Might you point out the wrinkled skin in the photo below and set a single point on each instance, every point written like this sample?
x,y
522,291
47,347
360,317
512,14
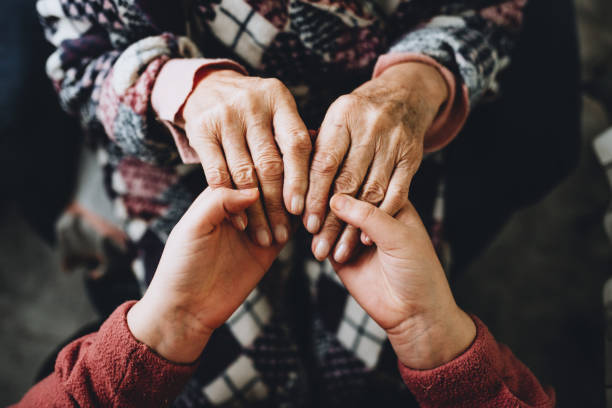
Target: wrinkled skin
x,y
248,133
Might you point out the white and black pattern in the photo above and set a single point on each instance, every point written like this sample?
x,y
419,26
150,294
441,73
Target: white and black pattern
x,y
248,320
317,29
107,58
276,356
240,382
445,43
341,373
360,334
241,29
355,330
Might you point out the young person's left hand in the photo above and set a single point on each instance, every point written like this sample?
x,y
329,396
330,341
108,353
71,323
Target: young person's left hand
x,y
207,269
402,286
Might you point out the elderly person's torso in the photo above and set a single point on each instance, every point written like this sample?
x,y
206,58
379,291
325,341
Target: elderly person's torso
x,y
299,334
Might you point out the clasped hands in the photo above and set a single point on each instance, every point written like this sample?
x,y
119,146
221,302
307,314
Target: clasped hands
x,y
249,136
248,133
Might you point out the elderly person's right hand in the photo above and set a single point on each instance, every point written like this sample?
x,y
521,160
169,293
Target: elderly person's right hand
x,y
207,269
247,132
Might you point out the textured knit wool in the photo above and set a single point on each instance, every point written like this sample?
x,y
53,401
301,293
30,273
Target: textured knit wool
x,y
112,369
299,335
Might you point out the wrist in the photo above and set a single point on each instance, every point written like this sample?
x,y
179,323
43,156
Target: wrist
x,y
421,78
170,330
423,342
202,78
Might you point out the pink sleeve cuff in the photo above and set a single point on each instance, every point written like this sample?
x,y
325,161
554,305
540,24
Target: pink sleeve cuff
x,y
174,84
453,114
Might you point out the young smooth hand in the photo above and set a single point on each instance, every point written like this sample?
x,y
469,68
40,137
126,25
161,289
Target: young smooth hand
x,y
400,283
207,269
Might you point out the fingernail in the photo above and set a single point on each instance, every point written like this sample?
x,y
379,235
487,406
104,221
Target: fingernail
x,y
313,223
322,249
341,253
281,234
339,202
239,222
263,237
297,204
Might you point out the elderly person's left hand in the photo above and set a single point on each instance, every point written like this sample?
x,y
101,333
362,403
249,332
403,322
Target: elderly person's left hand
x,y
370,145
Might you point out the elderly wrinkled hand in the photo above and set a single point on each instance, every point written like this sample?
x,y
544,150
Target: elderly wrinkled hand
x,y
248,133
370,145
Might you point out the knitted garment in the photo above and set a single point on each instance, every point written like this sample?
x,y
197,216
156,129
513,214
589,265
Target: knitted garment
x,y
299,335
111,368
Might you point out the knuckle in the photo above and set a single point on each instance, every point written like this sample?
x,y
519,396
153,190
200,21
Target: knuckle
x,y
274,206
223,113
325,163
374,192
257,123
274,83
346,183
316,203
251,102
346,102
244,176
332,226
202,125
217,177
300,143
398,198
270,168
411,158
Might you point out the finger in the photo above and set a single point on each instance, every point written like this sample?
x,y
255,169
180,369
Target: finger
x,y
380,226
396,195
213,161
213,206
214,166
269,167
294,142
348,242
373,192
244,176
349,181
330,147
365,239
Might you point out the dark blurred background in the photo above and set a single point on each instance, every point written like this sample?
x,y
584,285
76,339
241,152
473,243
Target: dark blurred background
x,y
538,284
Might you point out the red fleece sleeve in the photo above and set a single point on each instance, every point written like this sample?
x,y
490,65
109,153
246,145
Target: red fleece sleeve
x,y
485,375
109,368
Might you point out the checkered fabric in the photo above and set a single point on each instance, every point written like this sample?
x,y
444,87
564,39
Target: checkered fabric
x,y
299,339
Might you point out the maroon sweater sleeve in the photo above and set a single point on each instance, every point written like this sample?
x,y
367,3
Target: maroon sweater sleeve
x,y
485,375
109,368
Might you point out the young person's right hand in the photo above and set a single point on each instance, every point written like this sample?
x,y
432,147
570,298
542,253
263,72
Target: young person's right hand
x,y
400,283
207,269
247,132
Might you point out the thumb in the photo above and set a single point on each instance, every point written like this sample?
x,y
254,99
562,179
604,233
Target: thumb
x,y
213,206
377,224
